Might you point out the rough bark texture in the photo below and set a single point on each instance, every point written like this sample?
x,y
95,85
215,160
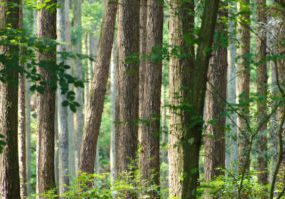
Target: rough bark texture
x,y
22,125
242,83
22,137
46,24
215,105
143,43
78,117
128,76
261,83
149,126
187,81
28,135
63,27
98,90
113,112
9,163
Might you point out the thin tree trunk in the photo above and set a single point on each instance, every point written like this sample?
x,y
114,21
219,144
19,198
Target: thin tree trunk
x,y
215,105
187,79
78,117
28,136
149,128
9,163
231,143
46,105
242,84
113,112
97,90
128,89
22,124
63,133
261,83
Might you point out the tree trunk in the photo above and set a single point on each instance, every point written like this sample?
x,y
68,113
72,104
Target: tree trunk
x,y
113,112
149,128
187,79
9,163
231,142
28,136
63,133
46,104
261,83
242,84
22,124
78,117
128,89
215,105
98,90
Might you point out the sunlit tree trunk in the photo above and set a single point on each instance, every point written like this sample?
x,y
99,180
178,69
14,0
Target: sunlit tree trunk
x,y
149,127
187,85
22,125
242,83
9,163
46,105
63,27
231,141
28,135
261,84
98,90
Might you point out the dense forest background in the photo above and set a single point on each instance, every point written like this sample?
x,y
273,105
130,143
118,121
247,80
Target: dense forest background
x,y
142,99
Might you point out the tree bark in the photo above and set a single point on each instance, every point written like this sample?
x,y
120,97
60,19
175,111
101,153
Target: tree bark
x,y
28,135
215,104
187,79
9,163
98,90
149,127
242,84
128,89
78,117
261,83
46,24
63,131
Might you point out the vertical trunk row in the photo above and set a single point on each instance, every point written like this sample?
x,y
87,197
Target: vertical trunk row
x,y
261,83
149,128
215,104
46,104
242,84
98,90
9,163
128,90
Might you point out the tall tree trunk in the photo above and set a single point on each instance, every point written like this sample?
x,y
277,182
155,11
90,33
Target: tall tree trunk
x,y
113,112
28,136
187,79
78,117
22,124
242,84
98,90
149,128
63,26
231,142
22,137
46,24
128,89
261,83
215,104
9,163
